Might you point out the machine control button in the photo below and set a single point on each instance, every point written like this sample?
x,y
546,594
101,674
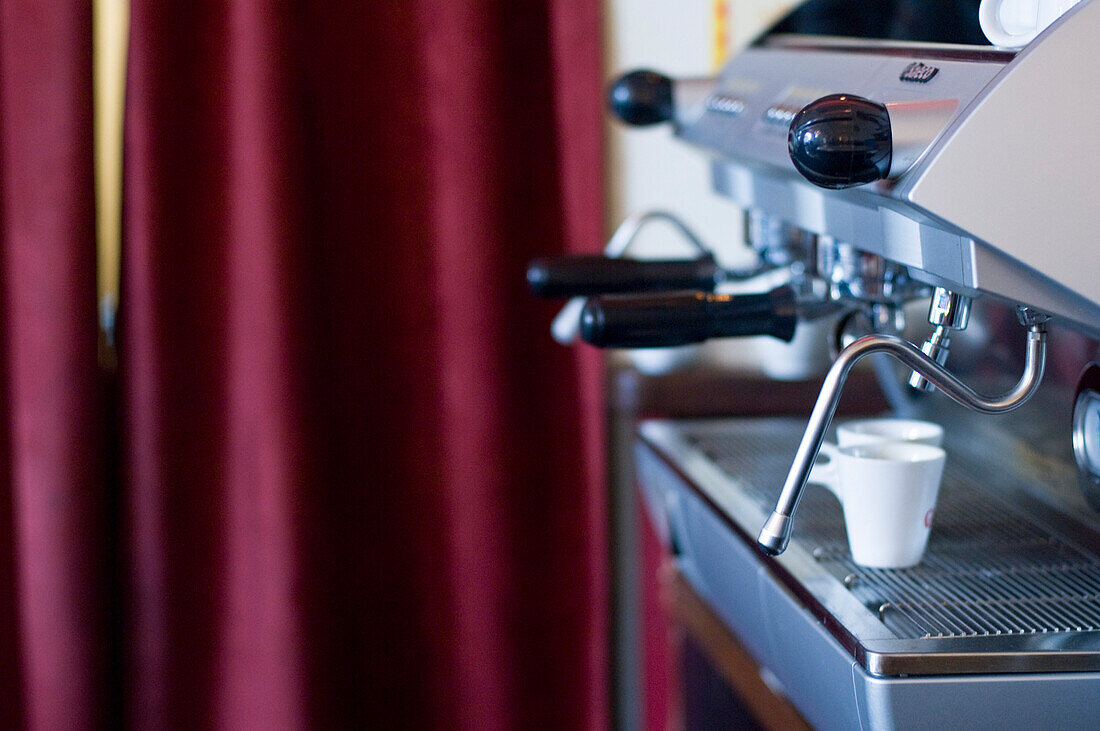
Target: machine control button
x,y
780,114
725,104
840,141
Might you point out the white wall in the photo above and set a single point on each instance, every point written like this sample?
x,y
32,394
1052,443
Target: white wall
x,y
647,168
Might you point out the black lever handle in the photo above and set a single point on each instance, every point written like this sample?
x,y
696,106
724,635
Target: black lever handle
x,y
841,140
641,98
587,276
686,317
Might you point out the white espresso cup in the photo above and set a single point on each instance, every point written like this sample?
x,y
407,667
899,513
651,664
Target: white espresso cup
x,y
866,431
1014,23
888,490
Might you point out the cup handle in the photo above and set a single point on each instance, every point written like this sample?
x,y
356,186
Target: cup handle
x,y
826,473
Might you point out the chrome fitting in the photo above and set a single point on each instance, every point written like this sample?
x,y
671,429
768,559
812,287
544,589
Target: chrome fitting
x,y
948,311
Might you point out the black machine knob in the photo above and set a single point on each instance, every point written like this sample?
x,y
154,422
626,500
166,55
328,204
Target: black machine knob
x,y
841,140
641,98
660,321
586,276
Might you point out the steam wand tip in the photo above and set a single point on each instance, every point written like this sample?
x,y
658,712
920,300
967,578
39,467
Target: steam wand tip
x,y
775,535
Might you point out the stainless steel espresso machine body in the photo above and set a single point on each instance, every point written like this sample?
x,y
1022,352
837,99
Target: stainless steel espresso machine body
x,y
969,168
877,171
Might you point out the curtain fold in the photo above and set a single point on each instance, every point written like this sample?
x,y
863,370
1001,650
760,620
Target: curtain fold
x,y
358,485
358,482
54,651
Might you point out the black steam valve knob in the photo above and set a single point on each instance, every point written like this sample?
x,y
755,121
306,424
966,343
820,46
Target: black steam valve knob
x,y
641,98
841,140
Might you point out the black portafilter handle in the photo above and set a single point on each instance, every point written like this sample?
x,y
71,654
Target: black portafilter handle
x,y
587,276
641,98
660,321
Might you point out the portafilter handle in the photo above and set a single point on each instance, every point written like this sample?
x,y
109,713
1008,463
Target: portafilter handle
x,y
587,276
661,321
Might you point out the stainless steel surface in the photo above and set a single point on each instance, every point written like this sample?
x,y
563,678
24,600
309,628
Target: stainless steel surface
x,y
1008,583
779,244
863,277
776,532
987,205
691,97
983,178
913,128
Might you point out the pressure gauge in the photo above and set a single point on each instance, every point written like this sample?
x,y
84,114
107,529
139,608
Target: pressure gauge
x,y
1086,434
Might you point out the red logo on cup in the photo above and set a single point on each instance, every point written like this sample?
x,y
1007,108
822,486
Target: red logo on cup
x,y
928,518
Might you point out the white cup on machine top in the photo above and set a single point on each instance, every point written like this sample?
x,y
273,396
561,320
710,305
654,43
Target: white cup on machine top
x,y
865,431
1014,23
888,491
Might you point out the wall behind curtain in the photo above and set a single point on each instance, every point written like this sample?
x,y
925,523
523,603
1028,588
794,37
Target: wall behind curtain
x,y
359,482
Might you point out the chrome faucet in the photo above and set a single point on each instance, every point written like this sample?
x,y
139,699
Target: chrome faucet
x,y
776,532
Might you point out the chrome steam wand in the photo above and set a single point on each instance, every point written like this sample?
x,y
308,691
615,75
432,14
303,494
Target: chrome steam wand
x,y
776,532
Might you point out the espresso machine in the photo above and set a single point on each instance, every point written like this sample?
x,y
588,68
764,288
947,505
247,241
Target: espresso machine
x,y
880,164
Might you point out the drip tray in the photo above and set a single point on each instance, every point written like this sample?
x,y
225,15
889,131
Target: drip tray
x,y
1010,581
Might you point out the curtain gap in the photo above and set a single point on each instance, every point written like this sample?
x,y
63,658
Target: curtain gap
x,y
110,45
111,22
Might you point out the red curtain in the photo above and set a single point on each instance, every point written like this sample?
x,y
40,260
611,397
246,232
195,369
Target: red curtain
x,y
357,481
358,484
54,654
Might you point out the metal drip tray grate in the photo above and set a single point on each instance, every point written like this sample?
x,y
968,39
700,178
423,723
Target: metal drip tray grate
x,y
991,568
